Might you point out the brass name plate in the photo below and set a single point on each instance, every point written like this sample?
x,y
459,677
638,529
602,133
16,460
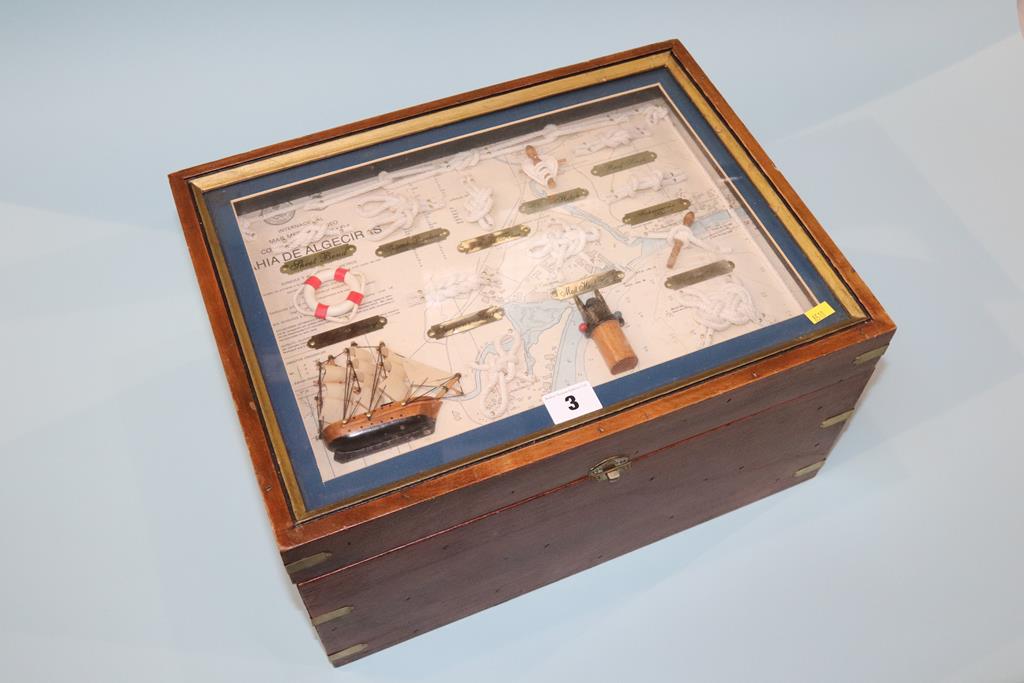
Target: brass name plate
x,y
656,211
552,200
587,284
489,239
318,259
466,322
692,277
616,165
412,242
345,332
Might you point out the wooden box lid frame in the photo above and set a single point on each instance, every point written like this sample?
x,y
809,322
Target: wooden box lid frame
x,y
294,528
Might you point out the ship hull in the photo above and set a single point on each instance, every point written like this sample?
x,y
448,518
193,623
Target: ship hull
x,y
390,425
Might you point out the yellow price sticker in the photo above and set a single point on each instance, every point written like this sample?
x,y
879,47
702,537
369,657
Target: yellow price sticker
x,y
820,312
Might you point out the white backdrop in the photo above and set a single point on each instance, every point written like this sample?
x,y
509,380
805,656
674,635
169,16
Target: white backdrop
x,y
134,540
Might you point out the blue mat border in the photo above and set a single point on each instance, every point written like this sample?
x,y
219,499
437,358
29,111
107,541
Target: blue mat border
x,y
318,494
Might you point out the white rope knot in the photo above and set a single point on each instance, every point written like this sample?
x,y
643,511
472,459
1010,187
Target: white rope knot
x,y
684,234
504,361
464,160
306,235
398,210
549,133
479,203
617,137
718,305
561,242
645,181
653,114
441,288
542,171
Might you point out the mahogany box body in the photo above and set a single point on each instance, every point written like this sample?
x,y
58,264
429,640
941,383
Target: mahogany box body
x,y
394,565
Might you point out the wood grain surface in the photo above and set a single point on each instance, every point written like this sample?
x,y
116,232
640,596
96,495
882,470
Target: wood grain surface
x,y
404,515
472,491
518,548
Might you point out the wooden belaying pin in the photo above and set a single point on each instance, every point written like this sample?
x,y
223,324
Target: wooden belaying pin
x,y
677,244
605,328
531,153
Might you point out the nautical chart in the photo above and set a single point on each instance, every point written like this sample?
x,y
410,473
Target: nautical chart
x,y
617,180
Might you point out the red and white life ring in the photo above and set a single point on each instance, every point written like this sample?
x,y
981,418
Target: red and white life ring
x,y
340,311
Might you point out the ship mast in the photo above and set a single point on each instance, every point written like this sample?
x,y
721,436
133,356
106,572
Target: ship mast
x,y
365,378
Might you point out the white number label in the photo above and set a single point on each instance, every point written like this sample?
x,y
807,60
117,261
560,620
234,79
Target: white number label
x,y
571,402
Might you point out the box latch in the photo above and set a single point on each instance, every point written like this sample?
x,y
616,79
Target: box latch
x,y
610,469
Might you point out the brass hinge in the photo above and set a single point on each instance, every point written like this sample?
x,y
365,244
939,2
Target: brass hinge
x,y
870,355
610,469
836,419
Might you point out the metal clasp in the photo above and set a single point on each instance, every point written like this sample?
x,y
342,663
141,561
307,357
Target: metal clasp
x,y
610,469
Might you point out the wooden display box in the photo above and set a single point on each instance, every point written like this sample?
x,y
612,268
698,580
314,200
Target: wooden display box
x,y
393,301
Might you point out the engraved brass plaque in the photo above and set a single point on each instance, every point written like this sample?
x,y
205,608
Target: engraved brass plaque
x,y
692,277
657,211
489,239
623,163
587,284
466,322
318,259
412,242
345,332
552,200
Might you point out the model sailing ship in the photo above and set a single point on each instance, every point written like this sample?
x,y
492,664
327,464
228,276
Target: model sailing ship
x,y
371,398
